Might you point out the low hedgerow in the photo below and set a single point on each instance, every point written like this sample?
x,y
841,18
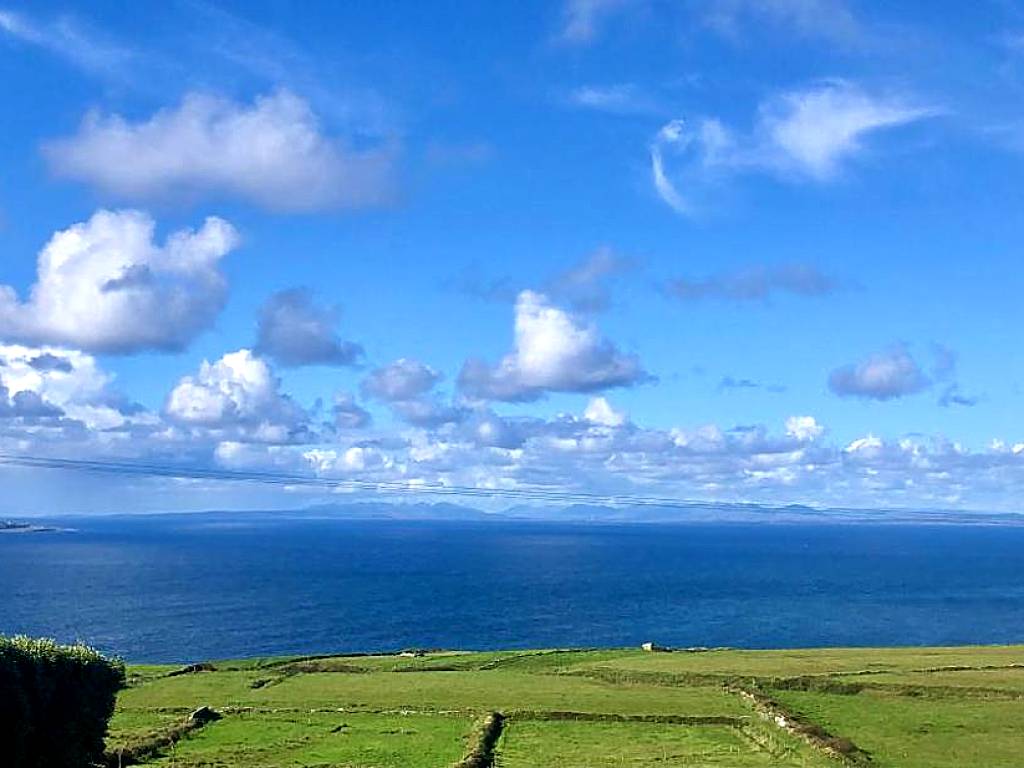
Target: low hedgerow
x,y
55,701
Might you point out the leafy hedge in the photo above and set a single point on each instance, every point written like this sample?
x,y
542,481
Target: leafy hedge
x,y
55,701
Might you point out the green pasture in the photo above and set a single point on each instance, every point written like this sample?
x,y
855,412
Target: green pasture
x,y
917,707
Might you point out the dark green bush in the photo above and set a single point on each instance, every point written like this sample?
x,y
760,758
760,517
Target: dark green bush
x,y
55,701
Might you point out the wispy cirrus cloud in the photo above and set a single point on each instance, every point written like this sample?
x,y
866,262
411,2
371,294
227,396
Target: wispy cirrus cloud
x,y
733,384
71,39
616,99
832,21
583,20
802,135
944,372
586,286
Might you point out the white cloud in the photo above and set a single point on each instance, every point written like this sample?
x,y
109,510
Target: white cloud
x,y
600,411
105,285
672,134
617,99
868,446
554,352
807,134
882,376
63,396
814,131
67,38
357,459
233,414
240,395
295,332
272,152
804,428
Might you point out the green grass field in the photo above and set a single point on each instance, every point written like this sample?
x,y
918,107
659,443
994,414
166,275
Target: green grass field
x,y
919,708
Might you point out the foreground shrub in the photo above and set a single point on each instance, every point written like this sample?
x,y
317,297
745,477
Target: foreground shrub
x,y
55,701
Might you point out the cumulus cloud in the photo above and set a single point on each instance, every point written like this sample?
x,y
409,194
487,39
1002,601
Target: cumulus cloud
x,y
804,428
69,385
883,376
106,285
600,411
404,379
807,134
406,387
348,414
755,283
488,430
554,352
238,395
272,152
366,460
233,414
25,405
427,412
294,332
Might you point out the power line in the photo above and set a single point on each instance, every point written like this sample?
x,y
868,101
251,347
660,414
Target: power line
x,y
180,472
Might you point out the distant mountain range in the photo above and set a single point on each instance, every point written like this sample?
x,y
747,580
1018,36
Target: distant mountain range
x,y
676,513
681,513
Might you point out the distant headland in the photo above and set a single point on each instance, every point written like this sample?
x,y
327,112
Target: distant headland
x,y
13,526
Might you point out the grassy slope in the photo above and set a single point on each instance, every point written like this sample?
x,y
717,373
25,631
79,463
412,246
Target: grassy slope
x,y
907,707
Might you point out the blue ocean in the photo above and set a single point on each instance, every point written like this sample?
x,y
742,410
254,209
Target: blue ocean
x,y
206,586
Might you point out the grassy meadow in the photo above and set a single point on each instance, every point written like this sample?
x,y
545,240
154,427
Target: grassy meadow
x,y
584,709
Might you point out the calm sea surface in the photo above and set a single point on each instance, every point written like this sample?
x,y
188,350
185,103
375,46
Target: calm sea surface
x,y
178,587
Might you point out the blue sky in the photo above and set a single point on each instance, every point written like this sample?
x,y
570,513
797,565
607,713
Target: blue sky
x,y
747,250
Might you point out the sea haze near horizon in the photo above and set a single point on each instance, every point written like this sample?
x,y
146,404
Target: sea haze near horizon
x,y
169,588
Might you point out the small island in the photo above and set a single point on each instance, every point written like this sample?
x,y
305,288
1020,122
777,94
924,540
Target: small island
x,y
14,526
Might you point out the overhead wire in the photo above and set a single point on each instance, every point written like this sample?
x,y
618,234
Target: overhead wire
x,y
526,493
